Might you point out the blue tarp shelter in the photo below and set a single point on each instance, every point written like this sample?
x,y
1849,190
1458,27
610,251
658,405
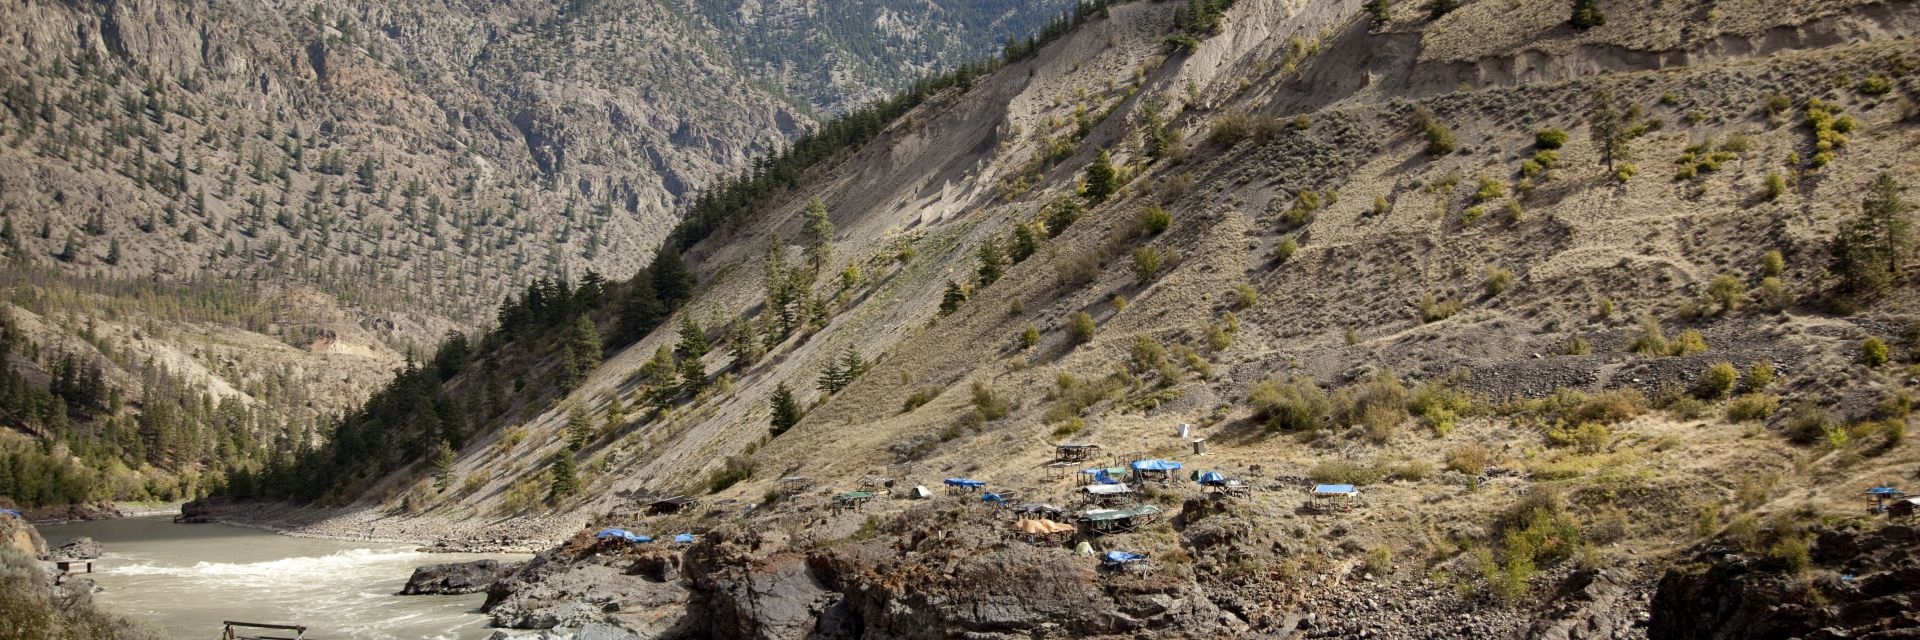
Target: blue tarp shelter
x,y
1212,478
1335,489
622,534
963,484
1880,496
1123,557
12,512
1155,465
683,538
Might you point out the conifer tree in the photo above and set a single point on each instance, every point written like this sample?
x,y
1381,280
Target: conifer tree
x,y
443,466
566,478
819,230
1102,181
956,295
786,411
991,263
693,340
582,352
579,428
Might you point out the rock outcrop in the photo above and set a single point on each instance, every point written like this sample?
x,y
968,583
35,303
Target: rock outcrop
x,y
81,548
1860,585
456,577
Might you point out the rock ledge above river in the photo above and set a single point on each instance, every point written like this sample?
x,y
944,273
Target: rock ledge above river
x,y
456,577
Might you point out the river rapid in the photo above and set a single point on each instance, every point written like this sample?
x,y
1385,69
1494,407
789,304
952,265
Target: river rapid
x,y
184,579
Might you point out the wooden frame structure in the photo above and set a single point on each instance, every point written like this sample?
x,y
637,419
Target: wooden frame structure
x,y
851,500
1103,521
299,631
1075,451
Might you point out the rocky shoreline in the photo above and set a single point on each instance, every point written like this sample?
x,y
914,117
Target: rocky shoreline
x,y
97,511
432,534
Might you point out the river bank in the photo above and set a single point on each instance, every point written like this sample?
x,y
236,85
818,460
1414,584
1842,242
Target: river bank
x,y
431,533
97,511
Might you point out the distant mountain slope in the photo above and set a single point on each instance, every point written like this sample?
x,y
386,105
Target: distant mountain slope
x,y
262,196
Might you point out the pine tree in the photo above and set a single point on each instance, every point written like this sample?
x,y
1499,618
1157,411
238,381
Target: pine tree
x,y
1023,243
819,230
565,477
443,466
640,310
956,295
1102,181
1867,252
672,282
1612,127
113,252
786,411
579,428
743,343
991,263
693,340
582,352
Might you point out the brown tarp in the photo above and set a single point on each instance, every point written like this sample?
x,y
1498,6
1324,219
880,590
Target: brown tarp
x,y
1041,527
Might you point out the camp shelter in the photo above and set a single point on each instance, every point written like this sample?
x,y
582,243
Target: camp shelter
x,y
1103,475
963,485
1334,497
683,538
1075,451
1120,520
622,535
851,499
1107,494
674,504
1040,530
1041,510
1154,470
920,493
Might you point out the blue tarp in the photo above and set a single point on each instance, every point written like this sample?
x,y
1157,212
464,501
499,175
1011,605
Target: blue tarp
x,y
11,512
622,534
1334,488
963,482
1155,465
991,497
1212,477
1885,491
1105,479
683,538
1118,557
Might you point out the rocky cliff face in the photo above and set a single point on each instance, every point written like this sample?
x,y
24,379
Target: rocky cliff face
x,y
1855,584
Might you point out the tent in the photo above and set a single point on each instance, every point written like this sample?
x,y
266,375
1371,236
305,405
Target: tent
x,y
920,492
1212,478
621,534
1084,548
1041,527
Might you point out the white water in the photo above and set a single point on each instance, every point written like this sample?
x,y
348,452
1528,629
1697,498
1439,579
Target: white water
x,y
185,579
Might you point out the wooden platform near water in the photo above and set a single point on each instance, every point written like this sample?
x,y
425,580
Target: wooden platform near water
x,y
299,632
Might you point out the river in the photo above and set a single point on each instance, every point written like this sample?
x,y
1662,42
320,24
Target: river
x,y
184,579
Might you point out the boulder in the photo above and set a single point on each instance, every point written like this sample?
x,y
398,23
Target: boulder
x,y
81,548
455,578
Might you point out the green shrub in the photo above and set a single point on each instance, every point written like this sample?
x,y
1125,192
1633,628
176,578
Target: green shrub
x,y
1578,346
1070,427
1793,552
1218,339
1549,138
1760,376
1876,85
1471,458
1472,214
1146,264
1380,205
1435,310
1285,249
1489,190
1296,404
1809,423
1776,186
1873,352
1244,295
1155,220
1440,139
1029,337
1718,381
1690,342
920,397
1377,405
1772,263
1346,472
1624,172
1497,281
1752,407
1439,404
1651,341
1081,327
